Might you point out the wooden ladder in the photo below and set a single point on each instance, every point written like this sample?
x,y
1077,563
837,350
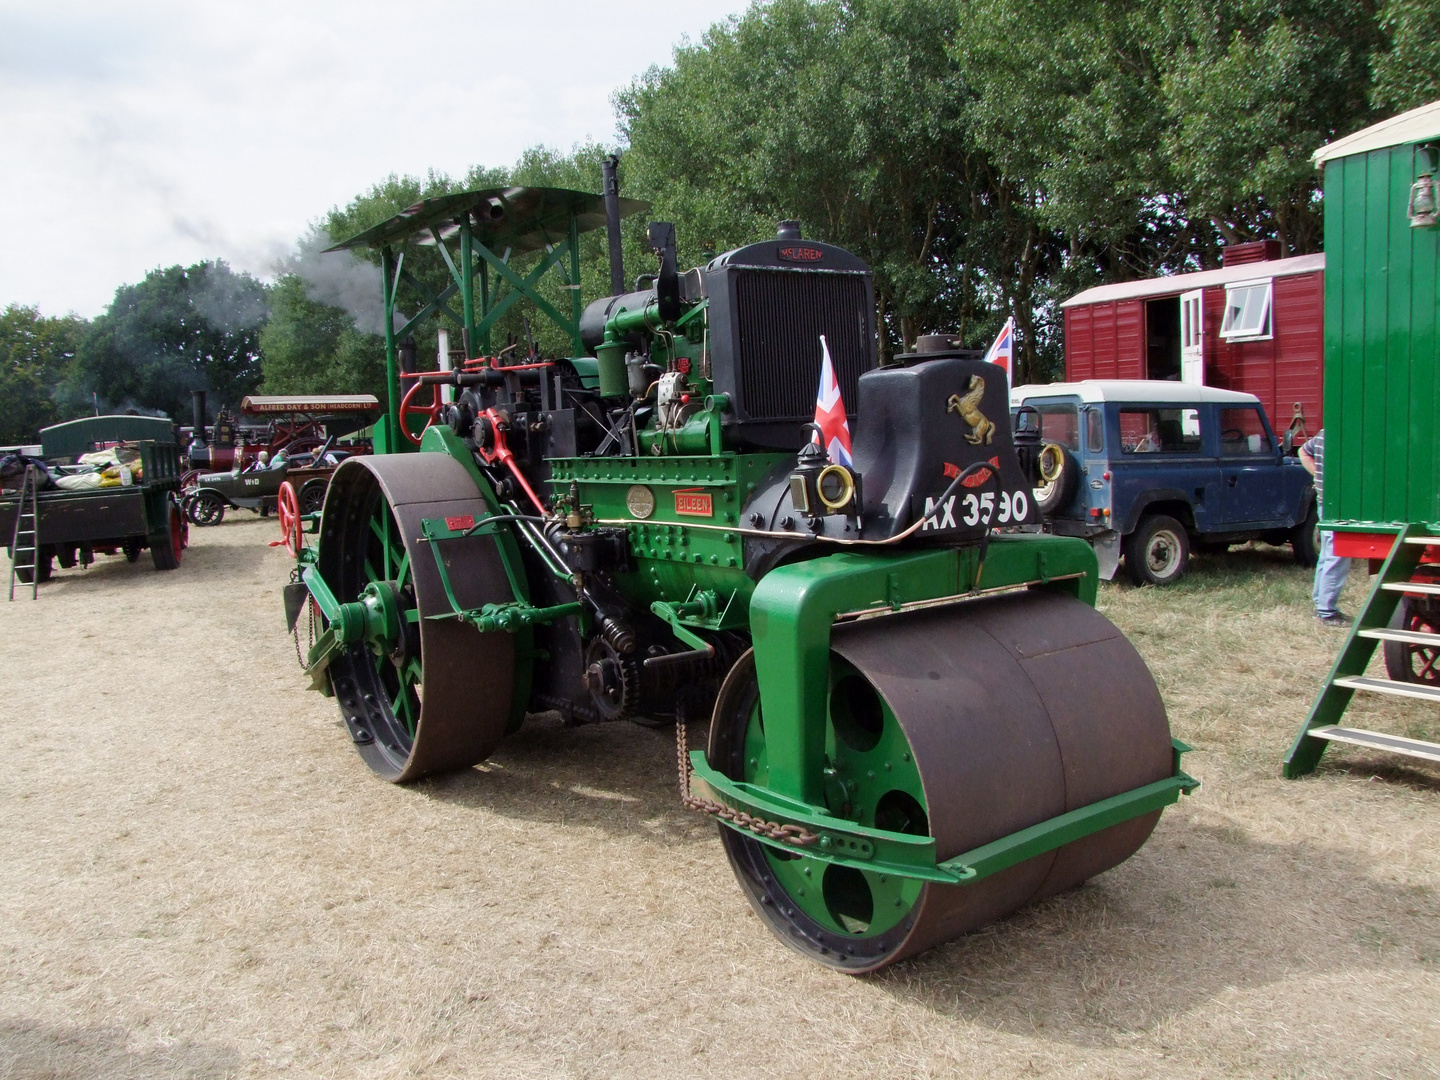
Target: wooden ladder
x,y
25,541
1371,628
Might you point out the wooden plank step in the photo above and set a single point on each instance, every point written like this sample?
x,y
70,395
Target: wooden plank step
x,y
1377,740
1425,587
1410,637
1390,686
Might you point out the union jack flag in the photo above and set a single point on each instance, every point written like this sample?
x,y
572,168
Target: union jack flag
x,y
1003,351
834,434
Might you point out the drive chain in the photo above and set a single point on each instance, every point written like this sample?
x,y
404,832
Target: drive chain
x,y
796,835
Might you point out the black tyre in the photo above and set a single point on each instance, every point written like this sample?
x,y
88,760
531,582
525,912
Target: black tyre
x,y
166,548
205,508
1407,661
1061,474
45,566
1158,552
1305,538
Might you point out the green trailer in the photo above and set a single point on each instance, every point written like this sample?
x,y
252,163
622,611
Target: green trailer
x,y
49,525
1382,431
918,722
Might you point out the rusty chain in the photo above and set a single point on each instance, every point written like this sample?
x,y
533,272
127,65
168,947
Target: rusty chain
x,y
295,632
796,835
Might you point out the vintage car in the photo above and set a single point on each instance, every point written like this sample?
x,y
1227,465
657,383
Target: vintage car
x,y
1152,470
257,486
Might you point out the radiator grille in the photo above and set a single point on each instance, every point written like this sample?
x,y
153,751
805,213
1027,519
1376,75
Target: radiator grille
x,y
781,315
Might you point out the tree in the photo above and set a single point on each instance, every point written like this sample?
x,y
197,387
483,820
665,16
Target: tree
x,y
843,114
1407,76
35,354
181,329
315,348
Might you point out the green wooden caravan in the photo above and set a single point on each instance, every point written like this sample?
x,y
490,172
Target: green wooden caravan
x,y
1382,432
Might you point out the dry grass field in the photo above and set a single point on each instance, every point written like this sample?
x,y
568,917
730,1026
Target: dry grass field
x,y
199,878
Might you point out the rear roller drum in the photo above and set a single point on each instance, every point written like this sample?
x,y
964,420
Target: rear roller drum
x,y
965,724
439,697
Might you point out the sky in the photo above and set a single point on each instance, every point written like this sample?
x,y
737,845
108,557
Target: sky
x,y
142,134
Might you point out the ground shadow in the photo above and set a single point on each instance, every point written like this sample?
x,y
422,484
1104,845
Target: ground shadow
x,y
604,776
36,1051
1199,911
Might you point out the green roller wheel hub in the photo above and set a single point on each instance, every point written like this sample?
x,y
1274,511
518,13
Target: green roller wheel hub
x,y
870,779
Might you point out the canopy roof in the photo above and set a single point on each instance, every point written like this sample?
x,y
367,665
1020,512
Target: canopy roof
x,y
522,219
263,405
1199,279
75,437
1417,125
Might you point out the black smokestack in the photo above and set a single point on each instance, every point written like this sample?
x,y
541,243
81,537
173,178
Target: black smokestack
x,y
611,187
197,402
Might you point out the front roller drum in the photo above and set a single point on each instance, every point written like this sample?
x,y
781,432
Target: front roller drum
x,y
966,723
440,697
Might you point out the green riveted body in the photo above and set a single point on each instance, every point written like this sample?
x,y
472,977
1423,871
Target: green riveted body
x,y
917,718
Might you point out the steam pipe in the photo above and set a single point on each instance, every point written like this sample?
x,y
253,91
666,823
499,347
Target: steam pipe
x,y
611,189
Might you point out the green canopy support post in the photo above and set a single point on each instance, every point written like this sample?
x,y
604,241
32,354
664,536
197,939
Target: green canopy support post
x,y
390,283
576,304
467,284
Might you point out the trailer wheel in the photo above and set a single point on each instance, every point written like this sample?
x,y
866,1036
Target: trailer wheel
x,y
44,565
1406,662
1158,552
166,549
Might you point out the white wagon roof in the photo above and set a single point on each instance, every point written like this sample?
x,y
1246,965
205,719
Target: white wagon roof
x,y
1132,392
1408,127
1200,279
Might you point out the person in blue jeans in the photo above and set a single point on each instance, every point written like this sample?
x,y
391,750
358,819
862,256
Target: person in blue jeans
x,y
1331,571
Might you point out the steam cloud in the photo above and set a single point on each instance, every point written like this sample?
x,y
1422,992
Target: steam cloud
x,y
343,280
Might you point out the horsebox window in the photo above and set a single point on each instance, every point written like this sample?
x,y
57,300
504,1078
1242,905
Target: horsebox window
x,y
1160,431
1247,311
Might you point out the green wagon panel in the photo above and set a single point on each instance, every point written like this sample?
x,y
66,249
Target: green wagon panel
x,y
1382,356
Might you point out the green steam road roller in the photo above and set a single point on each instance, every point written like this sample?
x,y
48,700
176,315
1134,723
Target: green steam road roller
x,y
918,720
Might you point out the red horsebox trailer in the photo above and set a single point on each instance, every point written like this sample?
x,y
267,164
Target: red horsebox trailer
x,y
1256,325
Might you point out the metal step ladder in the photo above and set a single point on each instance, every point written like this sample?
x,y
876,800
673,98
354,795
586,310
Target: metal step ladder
x,y
25,541
1371,629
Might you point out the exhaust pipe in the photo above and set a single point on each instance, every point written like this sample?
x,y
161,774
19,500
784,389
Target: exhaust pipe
x,y
611,188
197,412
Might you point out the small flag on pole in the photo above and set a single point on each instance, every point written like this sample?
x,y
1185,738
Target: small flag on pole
x,y
834,434
1003,351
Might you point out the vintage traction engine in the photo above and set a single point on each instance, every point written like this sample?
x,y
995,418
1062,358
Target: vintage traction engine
x,y
918,721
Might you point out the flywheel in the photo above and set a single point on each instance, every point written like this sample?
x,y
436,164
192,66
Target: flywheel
x,y
440,698
965,723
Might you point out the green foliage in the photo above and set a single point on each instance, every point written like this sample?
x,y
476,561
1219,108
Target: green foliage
x,y
181,329
35,354
988,159
314,348
843,114
1408,75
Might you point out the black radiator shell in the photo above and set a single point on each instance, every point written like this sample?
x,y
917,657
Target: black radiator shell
x,y
769,304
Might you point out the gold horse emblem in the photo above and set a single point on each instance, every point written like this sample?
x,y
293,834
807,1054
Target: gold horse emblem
x,y
981,429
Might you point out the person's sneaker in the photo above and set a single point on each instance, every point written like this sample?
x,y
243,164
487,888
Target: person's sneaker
x,y
1335,618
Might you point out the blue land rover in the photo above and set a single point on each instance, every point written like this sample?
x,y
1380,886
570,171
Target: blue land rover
x,y
1154,470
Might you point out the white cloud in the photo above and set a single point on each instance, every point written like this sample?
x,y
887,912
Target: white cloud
x,y
168,132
